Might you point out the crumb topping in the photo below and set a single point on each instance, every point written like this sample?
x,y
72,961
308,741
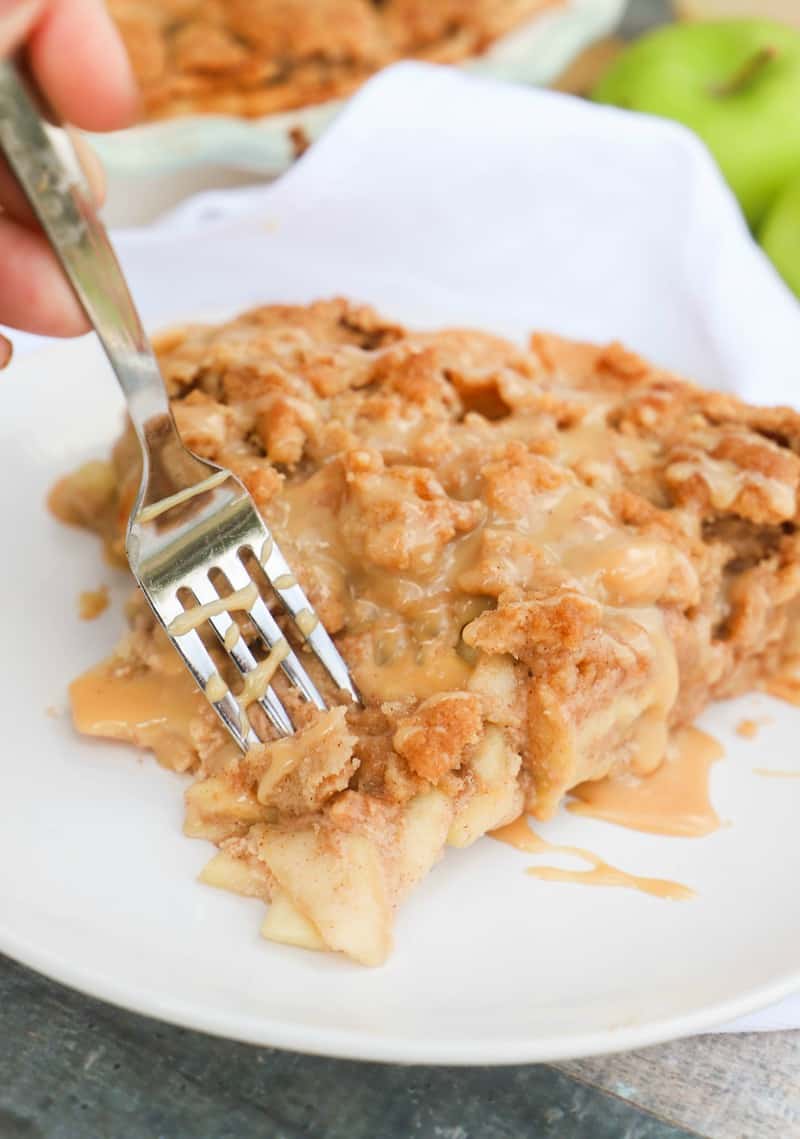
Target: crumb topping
x,y
257,57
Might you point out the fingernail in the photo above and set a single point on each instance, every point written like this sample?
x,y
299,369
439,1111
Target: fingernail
x,y
6,352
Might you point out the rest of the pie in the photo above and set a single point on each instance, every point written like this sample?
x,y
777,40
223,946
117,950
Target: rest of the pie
x,y
539,563
256,57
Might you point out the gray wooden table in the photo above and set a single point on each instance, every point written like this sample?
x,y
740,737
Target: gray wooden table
x,y
71,1068
74,1068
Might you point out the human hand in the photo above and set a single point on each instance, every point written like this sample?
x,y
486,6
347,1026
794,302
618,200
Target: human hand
x,y
79,62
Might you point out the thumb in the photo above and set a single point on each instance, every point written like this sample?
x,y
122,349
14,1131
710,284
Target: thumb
x,y
17,17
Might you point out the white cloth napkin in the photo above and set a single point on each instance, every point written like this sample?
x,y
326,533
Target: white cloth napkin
x,y
443,198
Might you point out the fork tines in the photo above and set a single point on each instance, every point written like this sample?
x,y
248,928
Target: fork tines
x,y
216,606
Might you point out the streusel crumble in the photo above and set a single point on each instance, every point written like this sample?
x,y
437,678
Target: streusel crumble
x,y
256,57
539,563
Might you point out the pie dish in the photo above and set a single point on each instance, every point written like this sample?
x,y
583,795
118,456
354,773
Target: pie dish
x,y
258,57
539,563
185,150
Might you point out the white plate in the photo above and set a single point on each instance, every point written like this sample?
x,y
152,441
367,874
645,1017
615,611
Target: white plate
x,y
97,884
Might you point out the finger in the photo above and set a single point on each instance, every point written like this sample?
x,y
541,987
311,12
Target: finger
x,y
6,352
13,202
91,166
79,60
34,293
17,17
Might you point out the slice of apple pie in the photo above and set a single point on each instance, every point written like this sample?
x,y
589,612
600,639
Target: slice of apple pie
x,y
538,563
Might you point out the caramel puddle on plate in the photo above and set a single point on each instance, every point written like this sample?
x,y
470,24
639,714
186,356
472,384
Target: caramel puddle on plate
x,y
673,800
748,729
93,602
153,710
519,835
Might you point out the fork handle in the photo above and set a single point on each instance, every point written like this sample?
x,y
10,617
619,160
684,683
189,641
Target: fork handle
x,y
44,162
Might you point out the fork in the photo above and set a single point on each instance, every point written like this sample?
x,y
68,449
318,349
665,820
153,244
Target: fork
x,y
193,524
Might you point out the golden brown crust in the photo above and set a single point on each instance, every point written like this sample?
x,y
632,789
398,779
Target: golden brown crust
x,y
435,737
257,57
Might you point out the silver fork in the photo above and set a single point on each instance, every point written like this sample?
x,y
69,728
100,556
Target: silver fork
x,y
191,520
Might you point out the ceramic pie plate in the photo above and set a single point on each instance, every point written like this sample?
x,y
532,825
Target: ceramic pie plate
x,y
152,167
98,885
535,53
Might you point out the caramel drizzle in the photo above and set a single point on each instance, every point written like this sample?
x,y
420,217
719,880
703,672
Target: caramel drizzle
x,y
243,598
672,800
156,509
600,873
216,688
256,681
307,622
285,581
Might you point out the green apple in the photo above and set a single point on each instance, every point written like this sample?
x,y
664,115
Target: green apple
x,y
780,234
736,83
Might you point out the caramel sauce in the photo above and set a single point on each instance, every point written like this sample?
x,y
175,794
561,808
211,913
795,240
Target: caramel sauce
x,y
409,675
306,622
148,709
216,688
591,441
192,618
672,800
285,581
156,509
773,773
726,481
285,756
599,873
748,729
93,602
232,634
256,682
414,622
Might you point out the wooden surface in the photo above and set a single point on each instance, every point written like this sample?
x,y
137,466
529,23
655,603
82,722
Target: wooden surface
x,y
71,1068
724,1087
75,1068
